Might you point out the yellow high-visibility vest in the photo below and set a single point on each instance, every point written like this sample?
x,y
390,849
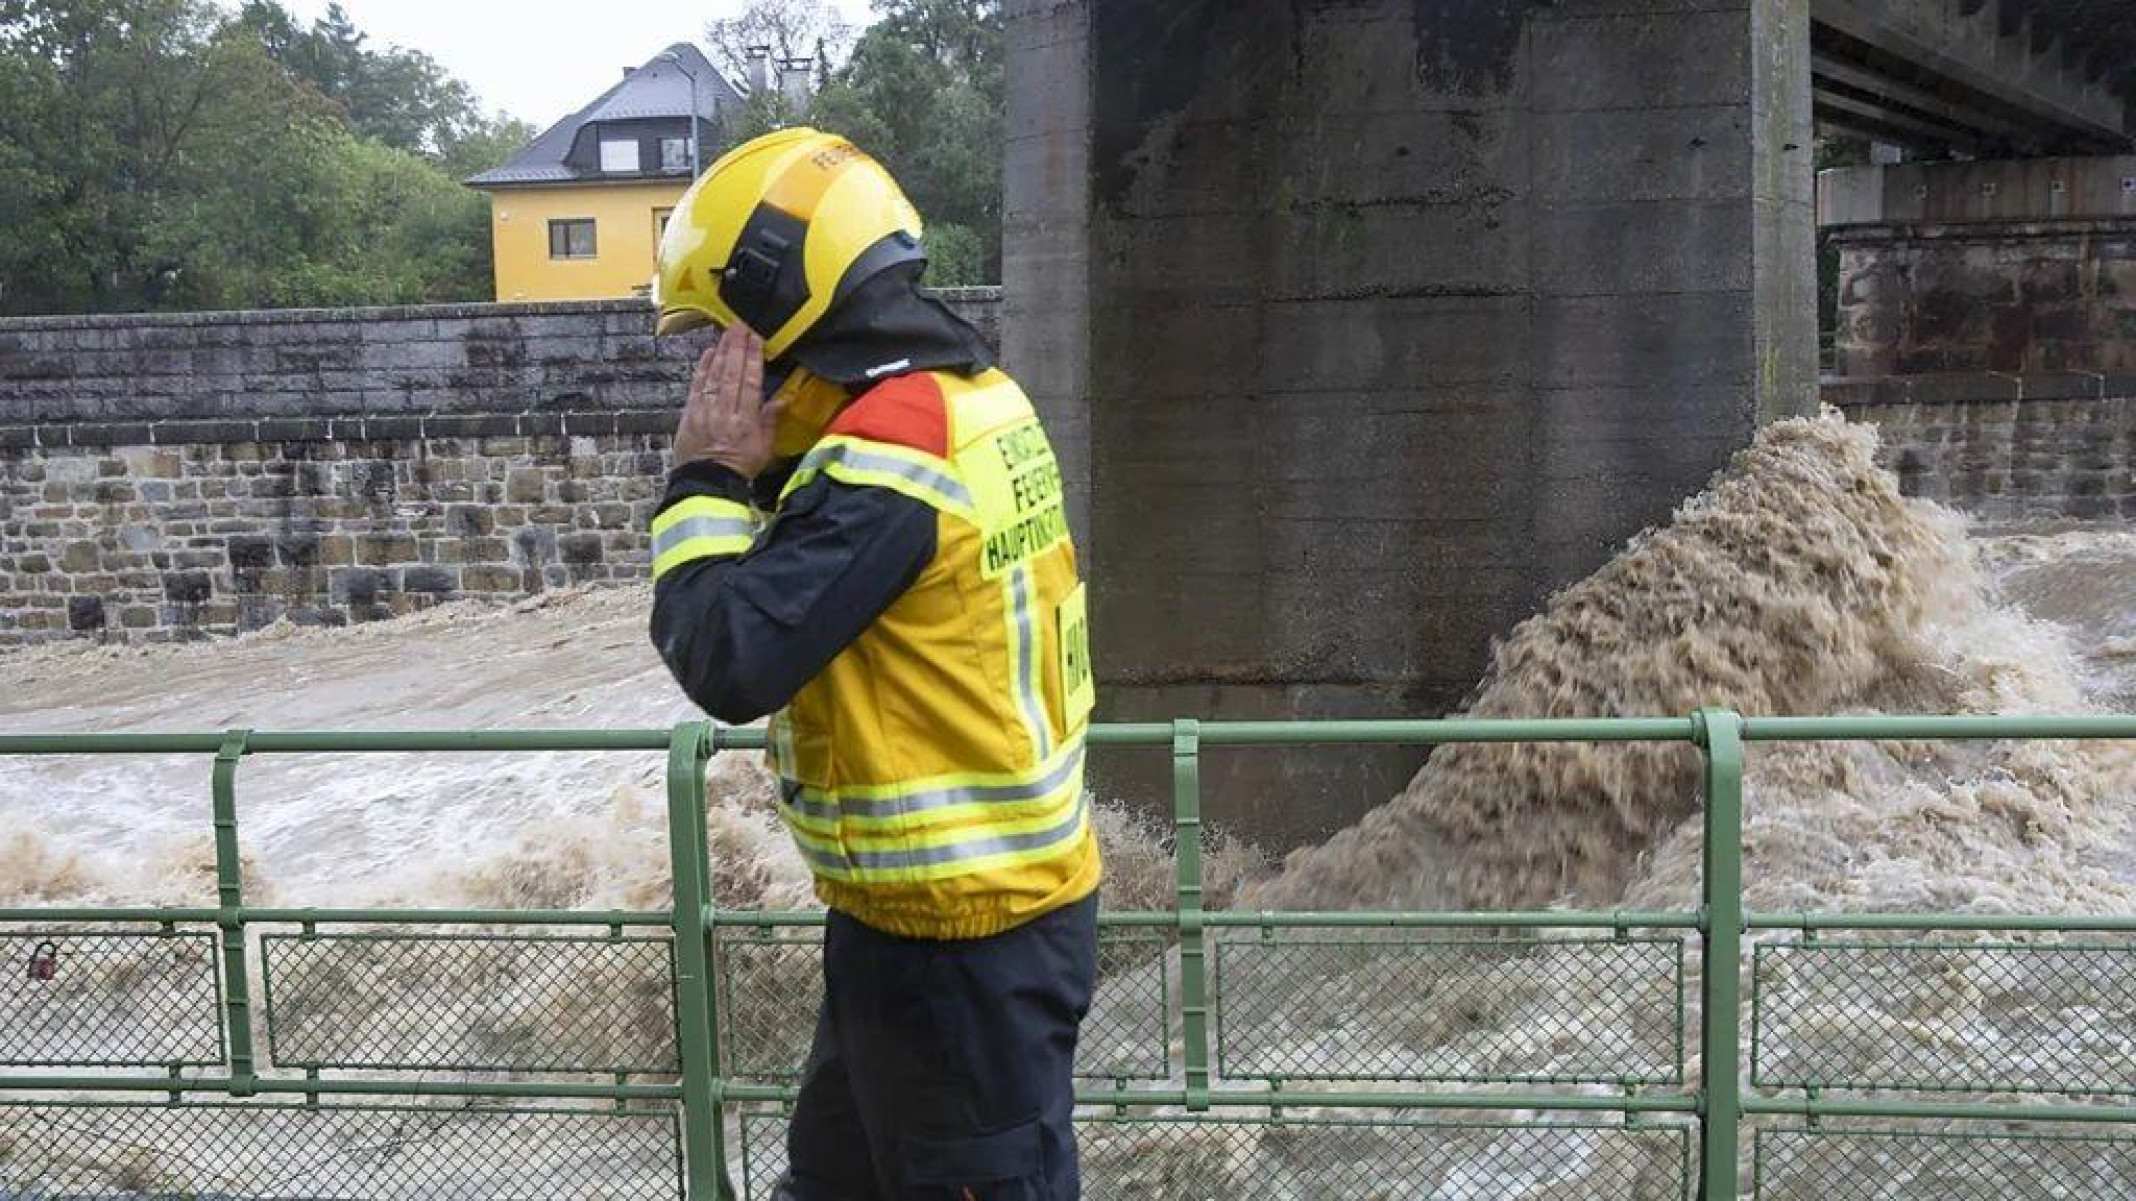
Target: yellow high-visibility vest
x,y
932,775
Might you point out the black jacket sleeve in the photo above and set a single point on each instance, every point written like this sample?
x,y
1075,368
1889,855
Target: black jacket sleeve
x,y
743,633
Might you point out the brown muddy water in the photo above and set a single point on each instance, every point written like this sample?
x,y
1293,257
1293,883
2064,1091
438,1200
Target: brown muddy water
x,y
1802,582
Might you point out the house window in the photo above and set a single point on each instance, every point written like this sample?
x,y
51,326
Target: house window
x,y
674,154
571,239
619,155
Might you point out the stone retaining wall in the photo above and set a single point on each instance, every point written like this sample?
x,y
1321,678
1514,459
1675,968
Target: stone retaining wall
x,y
217,537
2006,447
178,476
2024,265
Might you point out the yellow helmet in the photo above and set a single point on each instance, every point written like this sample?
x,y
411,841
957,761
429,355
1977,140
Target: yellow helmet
x,y
777,232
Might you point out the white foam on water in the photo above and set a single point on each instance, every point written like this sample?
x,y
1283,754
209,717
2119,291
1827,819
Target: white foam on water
x,y
1801,582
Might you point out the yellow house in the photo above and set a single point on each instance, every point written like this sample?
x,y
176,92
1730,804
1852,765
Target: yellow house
x,y
577,214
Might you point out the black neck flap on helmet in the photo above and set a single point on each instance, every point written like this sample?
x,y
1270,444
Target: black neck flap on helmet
x,y
883,325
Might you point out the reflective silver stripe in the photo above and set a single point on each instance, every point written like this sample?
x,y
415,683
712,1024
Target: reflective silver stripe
x,y
701,527
1026,662
956,852
794,794
861,460
814,803
977,848
823,859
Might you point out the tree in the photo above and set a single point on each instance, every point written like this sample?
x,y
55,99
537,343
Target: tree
x,y
924,92
386,228
790,29
401,97
113,103
949,31
488,143
159,154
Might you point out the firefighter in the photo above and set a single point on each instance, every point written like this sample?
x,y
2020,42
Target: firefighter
x,y
864,538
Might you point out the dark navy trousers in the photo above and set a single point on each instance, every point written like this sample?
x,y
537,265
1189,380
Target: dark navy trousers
x,y
943,1071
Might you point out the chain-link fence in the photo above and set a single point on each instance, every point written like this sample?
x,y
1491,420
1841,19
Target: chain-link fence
x,y
1319,1159
243,1151
770,988
1422,1006
1873,1165
1945,1016
1127,1035
109,1000
486,1002
1226,1055
771,984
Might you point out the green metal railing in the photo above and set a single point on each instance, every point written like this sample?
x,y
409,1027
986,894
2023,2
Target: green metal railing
x,y
463,1052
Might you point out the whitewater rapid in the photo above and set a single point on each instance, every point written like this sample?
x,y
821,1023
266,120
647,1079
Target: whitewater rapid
x,y
1802,582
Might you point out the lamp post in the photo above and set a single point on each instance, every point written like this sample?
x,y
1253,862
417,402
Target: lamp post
x,y
675,58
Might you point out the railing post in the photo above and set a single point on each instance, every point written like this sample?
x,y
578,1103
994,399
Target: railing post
x,y
703,1121
1187,853
1720,1017
230,913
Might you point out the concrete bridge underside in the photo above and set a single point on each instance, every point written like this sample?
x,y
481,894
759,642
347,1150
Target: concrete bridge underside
x,y
1365,324
1985,78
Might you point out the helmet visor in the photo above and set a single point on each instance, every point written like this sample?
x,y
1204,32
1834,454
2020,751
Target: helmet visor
x,y
682,321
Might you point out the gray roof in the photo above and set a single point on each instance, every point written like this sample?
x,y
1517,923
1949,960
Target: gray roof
x,y
654,90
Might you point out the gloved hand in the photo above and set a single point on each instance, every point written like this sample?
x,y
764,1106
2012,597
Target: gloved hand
x,y
727,420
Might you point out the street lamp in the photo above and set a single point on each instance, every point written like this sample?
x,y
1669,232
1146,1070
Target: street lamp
x,y
675,58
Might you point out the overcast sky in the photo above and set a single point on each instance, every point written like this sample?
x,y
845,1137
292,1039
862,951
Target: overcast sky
x,y
538,59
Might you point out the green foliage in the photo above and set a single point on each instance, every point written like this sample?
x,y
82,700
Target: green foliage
x,y
400,97
377,226
956,256
484,145
168,154
929,76
761,113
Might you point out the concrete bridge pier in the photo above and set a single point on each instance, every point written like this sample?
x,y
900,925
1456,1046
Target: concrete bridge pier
x,y
1364,324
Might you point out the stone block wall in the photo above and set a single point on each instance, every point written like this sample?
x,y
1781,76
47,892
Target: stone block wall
x,y
2006,447
136,371
2015,266
197,474
2014,296
321,527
